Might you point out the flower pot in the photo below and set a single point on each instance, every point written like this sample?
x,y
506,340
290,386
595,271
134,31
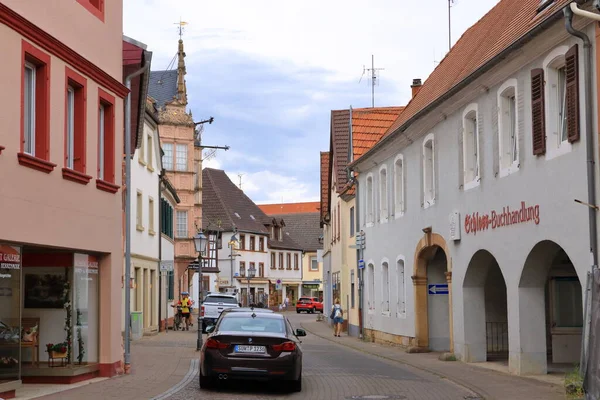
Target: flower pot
x,y
56,354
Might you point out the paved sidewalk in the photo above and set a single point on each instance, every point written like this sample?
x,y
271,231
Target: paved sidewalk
x,y
158,363
487,383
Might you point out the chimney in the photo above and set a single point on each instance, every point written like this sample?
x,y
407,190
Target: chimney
x,y
416,86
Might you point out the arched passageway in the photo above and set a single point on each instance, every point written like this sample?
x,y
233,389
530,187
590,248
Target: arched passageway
x,y
432,282
485,310
550,311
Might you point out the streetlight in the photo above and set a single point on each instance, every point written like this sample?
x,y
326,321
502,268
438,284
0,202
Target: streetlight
x,y
251,274
200,242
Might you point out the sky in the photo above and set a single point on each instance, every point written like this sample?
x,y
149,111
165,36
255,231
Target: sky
x,y
271,71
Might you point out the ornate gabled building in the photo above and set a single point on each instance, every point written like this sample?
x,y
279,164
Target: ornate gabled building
x,y
180,162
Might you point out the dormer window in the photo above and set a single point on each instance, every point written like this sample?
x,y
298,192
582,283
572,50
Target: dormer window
x,y
280,234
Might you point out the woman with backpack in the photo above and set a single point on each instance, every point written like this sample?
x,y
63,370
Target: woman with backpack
x,y
337,314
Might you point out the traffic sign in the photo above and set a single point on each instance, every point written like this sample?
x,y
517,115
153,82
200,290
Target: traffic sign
x,y
438,288
166,265
361,264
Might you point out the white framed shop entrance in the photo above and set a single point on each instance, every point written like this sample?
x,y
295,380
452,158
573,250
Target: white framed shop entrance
x,y
550,313
431,248
485,310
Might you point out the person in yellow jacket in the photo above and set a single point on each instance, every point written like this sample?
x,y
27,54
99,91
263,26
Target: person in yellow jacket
x,y
186,304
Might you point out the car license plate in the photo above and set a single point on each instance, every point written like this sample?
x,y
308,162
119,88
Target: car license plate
x,y
241,348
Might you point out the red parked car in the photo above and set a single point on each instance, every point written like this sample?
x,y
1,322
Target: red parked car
x,y
309,305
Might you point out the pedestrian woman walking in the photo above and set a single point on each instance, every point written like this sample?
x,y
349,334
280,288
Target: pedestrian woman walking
x,y
338,317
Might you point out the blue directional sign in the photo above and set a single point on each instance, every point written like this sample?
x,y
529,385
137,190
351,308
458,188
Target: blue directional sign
x,y
438,288
361,264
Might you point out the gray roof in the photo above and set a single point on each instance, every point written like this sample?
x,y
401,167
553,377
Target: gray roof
x,y
163,86
303,228
225,206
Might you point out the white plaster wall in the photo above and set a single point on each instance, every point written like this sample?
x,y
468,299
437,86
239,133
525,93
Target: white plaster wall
x,y
551,184
145,180
285,274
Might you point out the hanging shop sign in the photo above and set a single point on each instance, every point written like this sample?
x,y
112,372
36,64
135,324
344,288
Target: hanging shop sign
x,y
477,222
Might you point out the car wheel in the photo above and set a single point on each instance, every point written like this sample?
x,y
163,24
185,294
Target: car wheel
x,y
312,311
297,311
296,385
207,382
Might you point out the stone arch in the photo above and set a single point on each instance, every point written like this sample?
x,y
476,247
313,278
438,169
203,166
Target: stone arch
x,y
485,308
549,311
427,248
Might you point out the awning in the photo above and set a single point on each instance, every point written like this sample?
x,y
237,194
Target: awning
x,y
291,283
316,282
253,280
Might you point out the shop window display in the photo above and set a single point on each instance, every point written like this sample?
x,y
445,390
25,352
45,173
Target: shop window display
x,y
10,318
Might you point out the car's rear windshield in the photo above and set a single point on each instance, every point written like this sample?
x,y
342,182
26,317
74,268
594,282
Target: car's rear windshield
x,y
220,299
304,301
249,324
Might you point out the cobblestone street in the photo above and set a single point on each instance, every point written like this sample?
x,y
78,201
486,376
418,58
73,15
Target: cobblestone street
x,y
165,367
333,372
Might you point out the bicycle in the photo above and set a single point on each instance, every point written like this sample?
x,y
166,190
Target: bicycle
x,y
177,318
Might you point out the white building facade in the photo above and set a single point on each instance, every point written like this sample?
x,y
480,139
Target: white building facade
x,y
145,230
168,202
474,243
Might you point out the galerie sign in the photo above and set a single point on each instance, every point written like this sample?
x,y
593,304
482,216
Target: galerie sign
x,y
10,260
477,222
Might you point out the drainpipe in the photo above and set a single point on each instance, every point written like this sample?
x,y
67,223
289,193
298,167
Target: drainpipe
x,y
128,215
359,256
589,138
159,249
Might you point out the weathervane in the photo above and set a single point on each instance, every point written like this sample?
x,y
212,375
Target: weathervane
x,y
181,25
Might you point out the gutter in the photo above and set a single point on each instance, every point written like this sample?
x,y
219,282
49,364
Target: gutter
x,y
462,84
591,180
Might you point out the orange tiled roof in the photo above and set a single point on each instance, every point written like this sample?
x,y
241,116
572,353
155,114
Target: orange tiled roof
x,y
290,208
502,26
369,125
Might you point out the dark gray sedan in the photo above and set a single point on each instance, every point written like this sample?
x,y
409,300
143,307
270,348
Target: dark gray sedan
x,y
252,345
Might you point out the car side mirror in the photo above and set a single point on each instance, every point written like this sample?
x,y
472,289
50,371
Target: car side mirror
x,y
210,328
300,332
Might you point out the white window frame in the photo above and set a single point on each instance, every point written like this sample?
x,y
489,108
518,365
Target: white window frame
x,y
471,161
70,127
508,129
401,287
429,198
167,159
554,146
101,134
371,287
313,261
149,147
181,166
370,201
29,134
139,210
151,230
399,186
384,208
385,287
181,222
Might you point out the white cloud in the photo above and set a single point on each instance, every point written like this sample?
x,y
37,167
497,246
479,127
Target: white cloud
x,y
316,49
269,187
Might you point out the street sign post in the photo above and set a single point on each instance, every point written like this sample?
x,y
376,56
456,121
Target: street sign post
x,y
278,284
437,288
361,264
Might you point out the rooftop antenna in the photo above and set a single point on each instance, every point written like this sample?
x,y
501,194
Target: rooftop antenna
x,y
181,25
240,176
374,81
450,2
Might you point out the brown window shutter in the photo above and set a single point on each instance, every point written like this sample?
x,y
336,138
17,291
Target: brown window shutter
x,y
538,126
572,72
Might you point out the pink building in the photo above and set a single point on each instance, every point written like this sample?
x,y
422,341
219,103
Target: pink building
x,y
61,248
